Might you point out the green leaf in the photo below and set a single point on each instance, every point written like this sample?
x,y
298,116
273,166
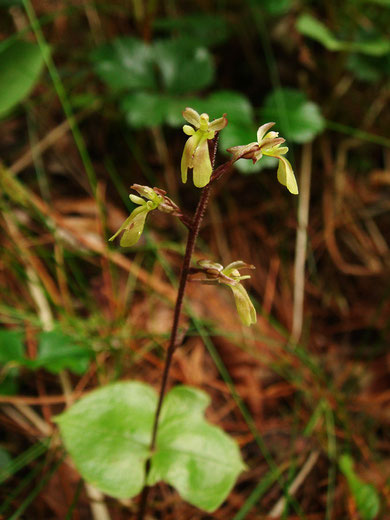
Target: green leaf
x,y
57,351
184,67
10,3
174,107
204,28
296,118
9,381
274,8
11,346
237,107
5,458
144,109
11,354
20,65
365,495
108,433
313,28
125,64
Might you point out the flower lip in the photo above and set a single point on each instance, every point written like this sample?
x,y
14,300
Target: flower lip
x,y
196,154
262,130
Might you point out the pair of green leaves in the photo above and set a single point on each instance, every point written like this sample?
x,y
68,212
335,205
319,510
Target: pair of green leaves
x,y
108,434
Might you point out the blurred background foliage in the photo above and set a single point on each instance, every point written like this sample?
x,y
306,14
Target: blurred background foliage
x,y
91,95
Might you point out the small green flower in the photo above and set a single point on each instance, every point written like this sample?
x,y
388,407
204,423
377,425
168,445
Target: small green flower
x,y
196,150
268,143
134,224
231,277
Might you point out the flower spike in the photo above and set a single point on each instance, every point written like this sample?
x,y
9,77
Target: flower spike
x,y
196,150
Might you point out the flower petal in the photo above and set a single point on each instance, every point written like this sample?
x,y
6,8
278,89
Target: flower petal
x,y
245,308
202,164
188,153
262,130
218,124
245,151
136,199
134,229
282,150
187,129
268,145
238,264
132,224
286,175
192,117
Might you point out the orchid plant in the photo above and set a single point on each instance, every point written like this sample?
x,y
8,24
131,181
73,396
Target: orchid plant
x,y
166,437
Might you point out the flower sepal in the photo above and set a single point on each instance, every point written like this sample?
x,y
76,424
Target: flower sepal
x,y
230,276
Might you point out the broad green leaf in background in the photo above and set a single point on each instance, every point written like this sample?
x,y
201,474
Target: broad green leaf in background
x,y
366,67
11,354
236,105
5,458
313,28
125,64
154,78
144,109
297,119
202,29
58,351
10,3
108,434
273,8
185,66
174,107
365,495
129,64
20,65
11,346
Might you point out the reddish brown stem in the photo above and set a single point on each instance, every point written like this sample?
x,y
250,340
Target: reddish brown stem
x,y
185,271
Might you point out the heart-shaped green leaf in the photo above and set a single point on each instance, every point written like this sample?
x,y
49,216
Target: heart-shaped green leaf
x,y
20,65
108,434
297,119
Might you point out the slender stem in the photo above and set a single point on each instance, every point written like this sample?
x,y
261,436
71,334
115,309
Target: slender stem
x,y
185,271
